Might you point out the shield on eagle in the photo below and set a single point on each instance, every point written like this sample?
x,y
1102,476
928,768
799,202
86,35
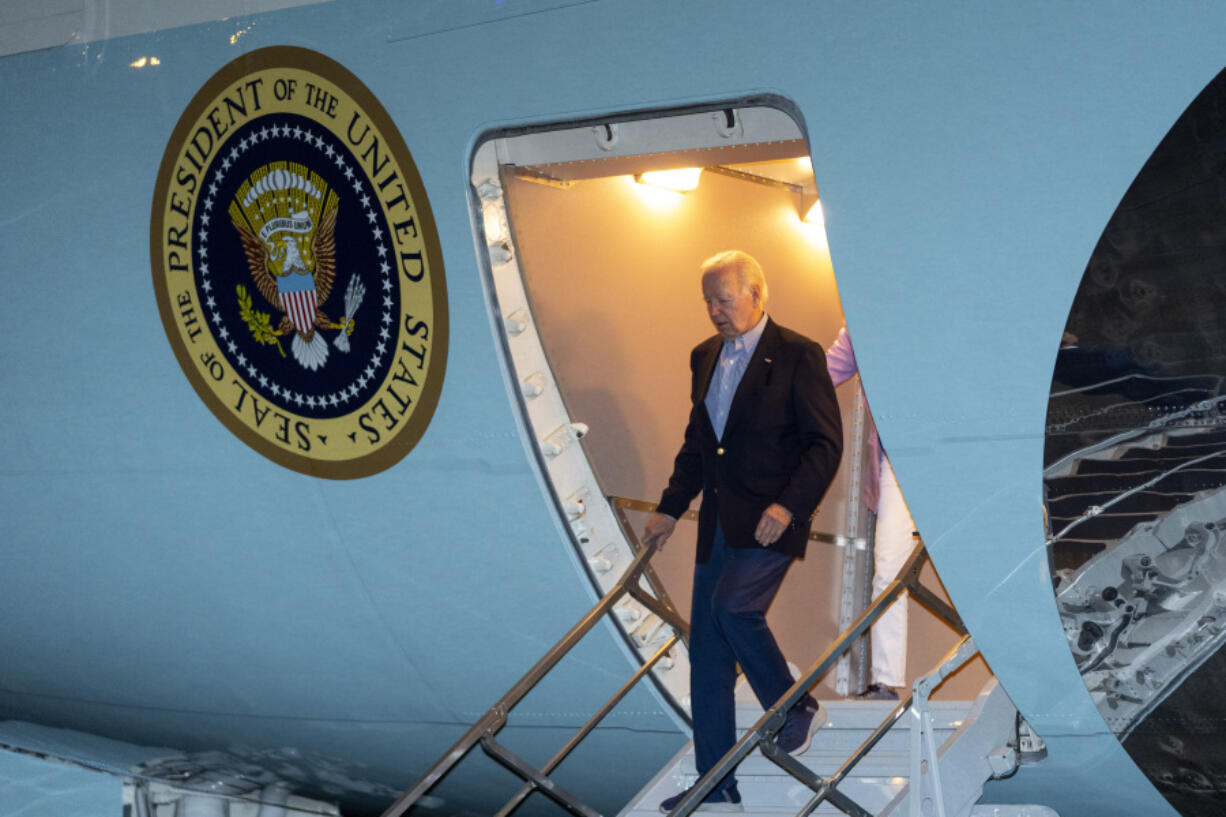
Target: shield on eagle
x,y
297,293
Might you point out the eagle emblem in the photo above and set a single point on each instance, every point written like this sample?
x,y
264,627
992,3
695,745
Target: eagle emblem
x,y
285,215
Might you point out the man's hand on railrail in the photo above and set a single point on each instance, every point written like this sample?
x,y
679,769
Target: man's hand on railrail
x,y
657,530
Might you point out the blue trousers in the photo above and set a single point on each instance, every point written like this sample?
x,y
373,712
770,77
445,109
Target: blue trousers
x,y
732,592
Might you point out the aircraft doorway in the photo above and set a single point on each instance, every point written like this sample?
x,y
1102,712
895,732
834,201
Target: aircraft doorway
x,y
595,275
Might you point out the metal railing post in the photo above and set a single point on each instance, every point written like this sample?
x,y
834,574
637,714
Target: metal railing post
x,y
857,557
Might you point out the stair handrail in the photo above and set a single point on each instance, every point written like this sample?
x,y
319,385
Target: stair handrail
x,y
761,734
488,725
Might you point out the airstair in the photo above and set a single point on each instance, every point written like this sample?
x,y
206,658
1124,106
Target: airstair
x,y
871,759
974,741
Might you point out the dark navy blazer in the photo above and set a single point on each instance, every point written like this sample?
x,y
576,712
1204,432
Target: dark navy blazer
x,y
782,443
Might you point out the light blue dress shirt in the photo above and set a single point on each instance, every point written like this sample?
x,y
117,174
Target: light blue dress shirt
x,y
734,358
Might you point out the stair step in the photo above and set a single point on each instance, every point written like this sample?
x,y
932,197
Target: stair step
x,y
775,796
849,723
825,763
768,790
856,714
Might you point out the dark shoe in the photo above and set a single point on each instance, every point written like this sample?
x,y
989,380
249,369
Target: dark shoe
x,y
878,692
803,720
728,799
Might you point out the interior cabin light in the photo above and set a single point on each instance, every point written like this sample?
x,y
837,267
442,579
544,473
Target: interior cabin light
x,y
682,180
143,61
495,220
816,215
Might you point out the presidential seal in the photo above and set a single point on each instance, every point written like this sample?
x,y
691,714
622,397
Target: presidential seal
x,y
297,266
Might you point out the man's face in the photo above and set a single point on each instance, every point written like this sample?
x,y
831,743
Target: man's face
x,y
733,310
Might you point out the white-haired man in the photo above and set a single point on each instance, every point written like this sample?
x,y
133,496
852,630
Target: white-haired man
x,y
762,444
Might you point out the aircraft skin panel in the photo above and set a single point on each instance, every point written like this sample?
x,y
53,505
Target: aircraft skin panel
x,y
31,785
1052,155
192,641
968,156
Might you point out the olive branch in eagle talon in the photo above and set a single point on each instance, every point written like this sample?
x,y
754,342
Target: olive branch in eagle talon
x,y
258,322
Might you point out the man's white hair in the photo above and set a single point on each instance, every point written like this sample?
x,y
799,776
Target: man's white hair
x,y
748,270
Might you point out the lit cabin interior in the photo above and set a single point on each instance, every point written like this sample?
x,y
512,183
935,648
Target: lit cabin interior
x,y
608,262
